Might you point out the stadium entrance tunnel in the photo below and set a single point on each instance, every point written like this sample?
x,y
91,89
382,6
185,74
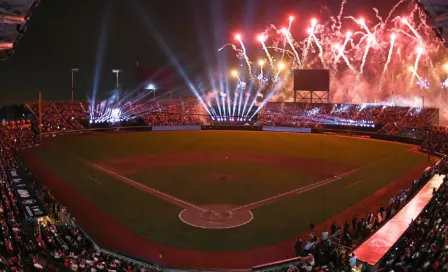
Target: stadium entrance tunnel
x,y
216,216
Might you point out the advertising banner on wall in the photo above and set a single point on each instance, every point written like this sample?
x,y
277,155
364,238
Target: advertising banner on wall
x,y
287,129
31,205
172,128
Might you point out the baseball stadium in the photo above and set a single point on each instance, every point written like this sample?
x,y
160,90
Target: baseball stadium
x,y
295,161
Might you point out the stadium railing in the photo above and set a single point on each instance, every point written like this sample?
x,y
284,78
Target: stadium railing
x,y
392,248
280,265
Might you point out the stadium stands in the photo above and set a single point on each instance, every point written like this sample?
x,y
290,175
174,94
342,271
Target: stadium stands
x,y
60,116
436,140
424,246
55,242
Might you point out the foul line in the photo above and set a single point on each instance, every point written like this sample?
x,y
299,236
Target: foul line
x,y
94,179
353,184
184,204
310,187
179,202
295,191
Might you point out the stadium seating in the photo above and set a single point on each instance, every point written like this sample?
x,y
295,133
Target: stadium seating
x,y
54,244
424,246
64,116
437,139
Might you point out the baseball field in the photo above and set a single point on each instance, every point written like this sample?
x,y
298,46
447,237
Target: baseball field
x,y
218,194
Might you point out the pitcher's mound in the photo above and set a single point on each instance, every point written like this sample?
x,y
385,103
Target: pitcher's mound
x,y
216,217
222,177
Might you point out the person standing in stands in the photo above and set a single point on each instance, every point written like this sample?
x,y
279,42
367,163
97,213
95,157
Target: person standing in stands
x,y
354,220
353,260
333,228
311,226
298,247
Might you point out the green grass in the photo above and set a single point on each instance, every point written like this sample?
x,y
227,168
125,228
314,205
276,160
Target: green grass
x,y
196,183
158,220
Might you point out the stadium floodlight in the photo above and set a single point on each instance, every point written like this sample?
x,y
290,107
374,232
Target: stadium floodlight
x,y
151,86
73,85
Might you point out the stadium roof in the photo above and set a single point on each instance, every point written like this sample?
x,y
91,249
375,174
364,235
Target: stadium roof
x,y
438,13
14,14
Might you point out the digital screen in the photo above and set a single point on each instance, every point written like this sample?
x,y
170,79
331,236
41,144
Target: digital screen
x,y
312,80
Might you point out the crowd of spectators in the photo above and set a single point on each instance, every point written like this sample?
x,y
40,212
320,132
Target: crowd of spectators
x,y
51,243
177,113
63,116
390,119
436,139
424,245
331,251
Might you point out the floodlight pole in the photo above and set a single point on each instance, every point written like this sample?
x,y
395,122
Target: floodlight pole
x,y
322,169
73,85
117,72
40,116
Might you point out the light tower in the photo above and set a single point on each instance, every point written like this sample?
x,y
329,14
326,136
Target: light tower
x,y
117,72
73,82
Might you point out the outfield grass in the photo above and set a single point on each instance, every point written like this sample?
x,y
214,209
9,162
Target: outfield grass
x,y
158,220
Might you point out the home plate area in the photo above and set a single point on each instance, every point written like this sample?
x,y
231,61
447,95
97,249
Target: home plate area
x,y
216,217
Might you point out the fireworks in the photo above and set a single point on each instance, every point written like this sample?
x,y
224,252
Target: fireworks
x,y
368,63
423,83
444,84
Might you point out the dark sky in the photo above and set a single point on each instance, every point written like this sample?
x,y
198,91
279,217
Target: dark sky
x,y
68,34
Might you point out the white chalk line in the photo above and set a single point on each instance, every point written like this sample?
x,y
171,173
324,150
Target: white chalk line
x,y
153,191
94,179
134,183
353,184
312,186
206,227
247,206
295,191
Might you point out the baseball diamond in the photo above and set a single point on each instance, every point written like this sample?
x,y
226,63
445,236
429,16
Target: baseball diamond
x,y
217,192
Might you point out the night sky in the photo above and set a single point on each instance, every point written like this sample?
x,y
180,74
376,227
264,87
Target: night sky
x,y
71,33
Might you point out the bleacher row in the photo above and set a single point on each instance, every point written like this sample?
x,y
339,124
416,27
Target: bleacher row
x,y
53,243
57,244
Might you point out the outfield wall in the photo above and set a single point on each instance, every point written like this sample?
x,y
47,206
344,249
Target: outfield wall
x,y
342,131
